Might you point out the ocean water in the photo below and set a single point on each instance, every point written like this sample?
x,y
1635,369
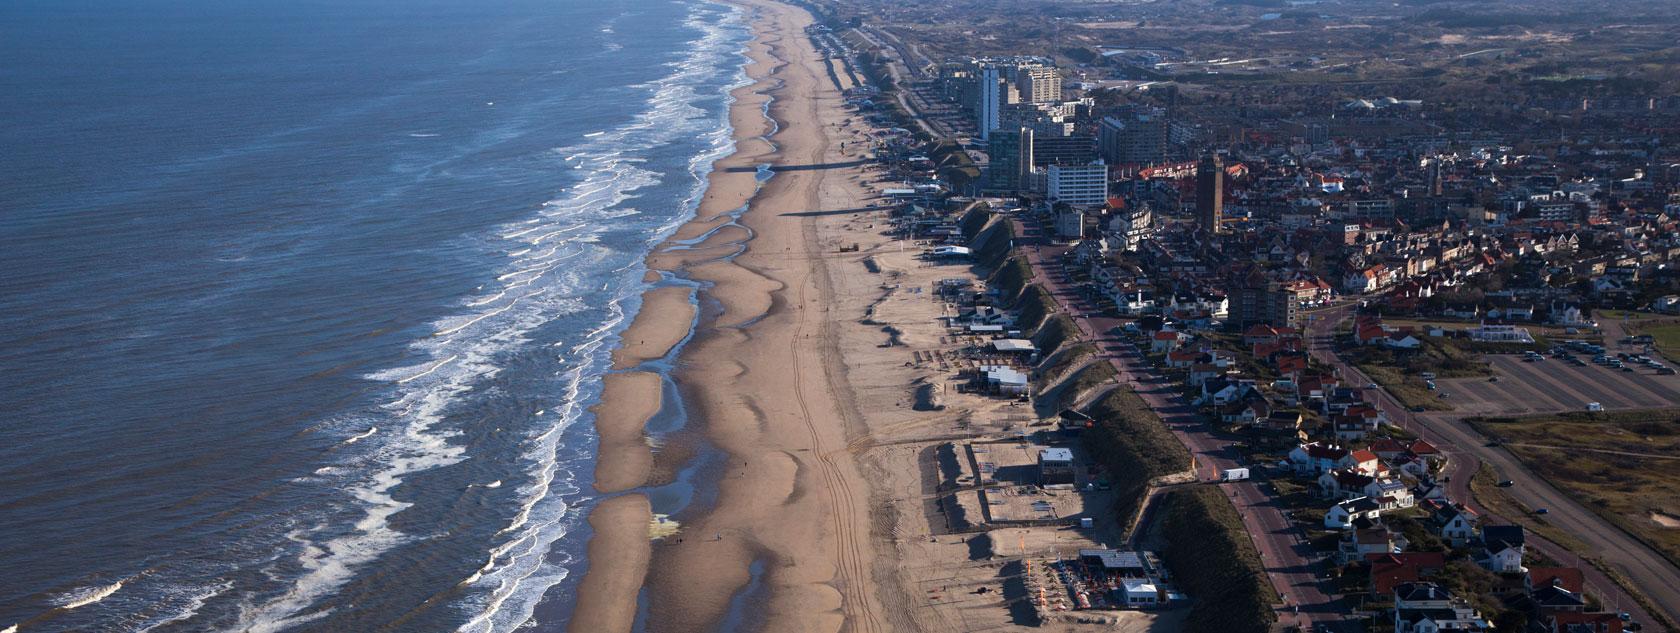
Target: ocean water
x,y
302,303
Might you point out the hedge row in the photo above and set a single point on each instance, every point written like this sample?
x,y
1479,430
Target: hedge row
x,y
1213,560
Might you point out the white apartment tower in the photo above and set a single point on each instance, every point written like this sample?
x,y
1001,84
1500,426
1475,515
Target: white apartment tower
x,y
991,101
1078,184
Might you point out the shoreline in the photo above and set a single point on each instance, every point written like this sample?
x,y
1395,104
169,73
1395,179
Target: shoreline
x,y
788,535
622,522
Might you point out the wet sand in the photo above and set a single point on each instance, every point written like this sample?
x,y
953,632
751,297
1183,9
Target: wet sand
x,y
762,380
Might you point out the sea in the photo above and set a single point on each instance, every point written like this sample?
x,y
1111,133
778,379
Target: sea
x,y
303,302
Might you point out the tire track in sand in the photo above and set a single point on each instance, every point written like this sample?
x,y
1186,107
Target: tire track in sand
x,y
859,608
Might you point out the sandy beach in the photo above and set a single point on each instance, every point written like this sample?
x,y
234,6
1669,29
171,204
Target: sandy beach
x,y
759,379
823,518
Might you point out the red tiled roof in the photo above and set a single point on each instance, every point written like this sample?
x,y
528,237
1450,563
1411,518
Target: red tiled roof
x,y
1606,622
1567,577
1387,445
1388,570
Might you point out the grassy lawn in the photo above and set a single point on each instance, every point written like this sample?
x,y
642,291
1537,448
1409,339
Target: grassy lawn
x,y
1408,389
1622,465
1399,371
1666,335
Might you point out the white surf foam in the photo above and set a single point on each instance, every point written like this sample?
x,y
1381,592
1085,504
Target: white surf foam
x,y
357,438
516,572
192,603
465,348
85,596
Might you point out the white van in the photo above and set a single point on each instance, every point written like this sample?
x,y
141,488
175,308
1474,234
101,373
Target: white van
x,y
1428,375
1594,406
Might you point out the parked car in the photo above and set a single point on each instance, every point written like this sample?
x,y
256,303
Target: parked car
x,y
1542,511
1506,483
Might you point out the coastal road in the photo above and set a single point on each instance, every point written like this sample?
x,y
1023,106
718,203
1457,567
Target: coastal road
x,y
1466,450
1291,565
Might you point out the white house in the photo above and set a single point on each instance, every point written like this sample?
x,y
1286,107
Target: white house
x,y
1316,458
1357,544
1342,515
1390,494
1502,549
1487,333
1166,341
1457,523
1141,593
1361,461
1424,607
1006,380
1345,484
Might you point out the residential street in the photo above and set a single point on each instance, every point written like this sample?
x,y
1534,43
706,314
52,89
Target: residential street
x,y
1466,450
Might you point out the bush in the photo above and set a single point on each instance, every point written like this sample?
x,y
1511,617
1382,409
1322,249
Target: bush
x,y
1213,560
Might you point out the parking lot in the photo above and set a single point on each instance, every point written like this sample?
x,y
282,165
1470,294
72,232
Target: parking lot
x,y
1552,386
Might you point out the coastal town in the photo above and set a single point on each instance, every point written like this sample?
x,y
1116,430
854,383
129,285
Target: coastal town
x,y
1301,370
841,316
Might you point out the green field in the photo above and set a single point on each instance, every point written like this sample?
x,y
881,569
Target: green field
x,y
1666,336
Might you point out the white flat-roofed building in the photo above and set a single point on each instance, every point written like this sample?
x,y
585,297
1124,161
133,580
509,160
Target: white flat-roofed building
x,y
1078,184
1500,334
1014,346
1006,380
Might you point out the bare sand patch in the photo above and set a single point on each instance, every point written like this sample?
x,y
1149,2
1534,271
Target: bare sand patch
x,y
607,594
628,400
665,318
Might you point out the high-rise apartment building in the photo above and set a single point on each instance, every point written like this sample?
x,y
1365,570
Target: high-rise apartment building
x,y
1255,300
989,102
1039,84
1077,184
1011,153
1137,140
1210,192
1063,150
